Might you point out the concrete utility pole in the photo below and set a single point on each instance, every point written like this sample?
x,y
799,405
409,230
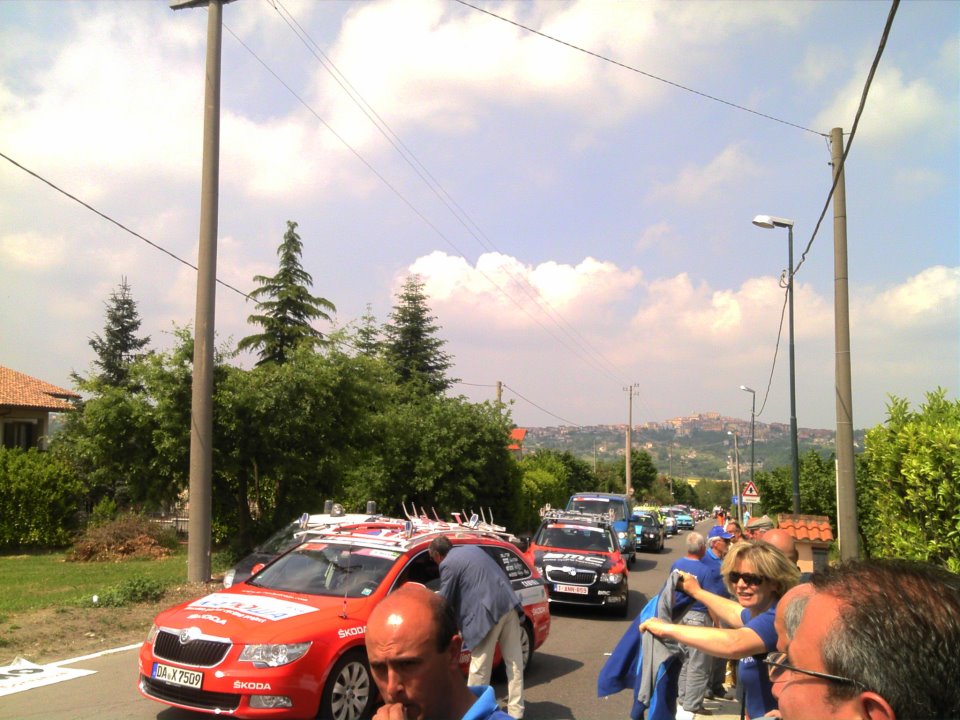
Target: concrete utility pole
x,y
846,478
499,393
631,391
201,422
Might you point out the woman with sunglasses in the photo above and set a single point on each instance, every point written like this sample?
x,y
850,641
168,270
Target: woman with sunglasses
x,y
757,575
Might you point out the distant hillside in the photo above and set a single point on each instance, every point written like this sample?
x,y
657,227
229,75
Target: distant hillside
x,y
695,446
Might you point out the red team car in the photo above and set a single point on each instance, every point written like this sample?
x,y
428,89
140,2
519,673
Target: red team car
x,y
289,642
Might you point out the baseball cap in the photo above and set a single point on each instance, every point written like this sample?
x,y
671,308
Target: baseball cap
x,y
718,531
760,523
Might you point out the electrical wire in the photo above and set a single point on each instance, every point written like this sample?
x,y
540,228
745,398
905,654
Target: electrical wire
x,y
541,409
638,71
116,222
838,172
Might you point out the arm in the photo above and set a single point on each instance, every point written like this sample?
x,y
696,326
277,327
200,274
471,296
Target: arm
x,y
724,609
720,642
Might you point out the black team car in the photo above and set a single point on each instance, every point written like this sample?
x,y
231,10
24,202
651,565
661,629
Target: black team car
x,y
579,556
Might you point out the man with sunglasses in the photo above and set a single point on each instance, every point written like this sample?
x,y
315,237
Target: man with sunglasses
x,y
877,639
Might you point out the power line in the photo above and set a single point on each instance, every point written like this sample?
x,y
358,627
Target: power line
x,y
541,409
116,222
638,71
853,131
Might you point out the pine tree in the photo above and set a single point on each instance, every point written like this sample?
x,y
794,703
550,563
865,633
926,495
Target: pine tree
x,y
412,345
367,337
119,346
286,306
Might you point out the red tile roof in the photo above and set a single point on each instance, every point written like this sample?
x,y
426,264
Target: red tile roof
x,y
23,391
807,528
517,436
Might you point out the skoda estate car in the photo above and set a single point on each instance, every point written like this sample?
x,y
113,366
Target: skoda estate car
x,y
579,556
289,642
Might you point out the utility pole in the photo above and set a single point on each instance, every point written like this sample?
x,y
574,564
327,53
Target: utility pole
x,y
499,393
631,390
201,409
736,475
846,478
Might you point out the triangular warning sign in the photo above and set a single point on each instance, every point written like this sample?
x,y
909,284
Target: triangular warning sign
x,y
750,491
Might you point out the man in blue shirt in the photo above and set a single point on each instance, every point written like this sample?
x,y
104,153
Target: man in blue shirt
x,y
718,542
695,673
414,654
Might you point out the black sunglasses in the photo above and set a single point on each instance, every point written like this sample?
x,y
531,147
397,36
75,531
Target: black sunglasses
x,y
777,666
748,578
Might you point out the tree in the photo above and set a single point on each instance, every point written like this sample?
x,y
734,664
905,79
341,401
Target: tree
x,y
285,306
818,493
909,499
412,345
643,473
120,344
367,337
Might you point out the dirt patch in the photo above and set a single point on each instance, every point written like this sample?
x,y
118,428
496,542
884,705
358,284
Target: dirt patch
x,y
57,634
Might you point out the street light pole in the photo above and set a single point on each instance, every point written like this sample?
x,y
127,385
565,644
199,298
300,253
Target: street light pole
x,y
736,475
753,416
768,221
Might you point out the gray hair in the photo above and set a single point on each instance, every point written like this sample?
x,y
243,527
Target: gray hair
x,y
695,544
793,614
893,607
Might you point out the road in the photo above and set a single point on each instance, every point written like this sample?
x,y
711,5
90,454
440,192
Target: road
x,y
560,684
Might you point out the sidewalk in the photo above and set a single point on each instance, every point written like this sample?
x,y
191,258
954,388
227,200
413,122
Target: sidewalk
x,y
720,710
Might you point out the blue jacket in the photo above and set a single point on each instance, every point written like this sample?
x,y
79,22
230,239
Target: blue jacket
x,y
477,590
646,664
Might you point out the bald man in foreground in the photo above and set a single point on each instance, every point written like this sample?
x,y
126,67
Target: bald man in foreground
x,y
414,653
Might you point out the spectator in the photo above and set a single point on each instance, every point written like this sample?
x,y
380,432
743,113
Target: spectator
x,y
414,654
487,611
758,526
877,639
758,575
733,527
718,543
695,670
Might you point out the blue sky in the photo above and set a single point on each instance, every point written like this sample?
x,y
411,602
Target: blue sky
x,y
605,235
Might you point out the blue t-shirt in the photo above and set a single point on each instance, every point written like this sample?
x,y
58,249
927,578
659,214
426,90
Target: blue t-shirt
x,y
714,580
699,571
485,708
752,673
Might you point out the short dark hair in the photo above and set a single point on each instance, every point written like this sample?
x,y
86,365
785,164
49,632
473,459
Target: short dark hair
x,y
896,614
440,545
445,623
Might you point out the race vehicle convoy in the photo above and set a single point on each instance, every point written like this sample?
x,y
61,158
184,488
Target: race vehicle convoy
x,y
650,531
624,520
579,556
289,642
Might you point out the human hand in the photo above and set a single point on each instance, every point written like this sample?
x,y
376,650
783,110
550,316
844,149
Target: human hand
x,y
688,583
393,711
654,626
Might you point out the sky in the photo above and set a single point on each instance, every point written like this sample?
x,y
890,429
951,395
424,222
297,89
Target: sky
x,y
573,181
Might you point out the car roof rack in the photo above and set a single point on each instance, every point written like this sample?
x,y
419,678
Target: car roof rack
x,y
548,513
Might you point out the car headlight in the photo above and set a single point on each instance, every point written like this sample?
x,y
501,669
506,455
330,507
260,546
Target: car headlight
x,y
229,576
612,578
152,635
273,655
622,535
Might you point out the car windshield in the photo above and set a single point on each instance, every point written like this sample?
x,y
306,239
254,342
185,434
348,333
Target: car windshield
x,y
317,568
647,521
280,540
575,538
597,507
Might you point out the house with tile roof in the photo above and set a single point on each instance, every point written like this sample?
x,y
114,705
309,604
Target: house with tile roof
x,y
26,404
813,536
517,436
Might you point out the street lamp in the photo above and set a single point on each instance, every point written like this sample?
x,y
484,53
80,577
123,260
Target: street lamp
x,y
737,492
768,221
753,415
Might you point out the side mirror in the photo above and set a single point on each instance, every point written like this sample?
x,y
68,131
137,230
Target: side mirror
x,y
523,543
257,568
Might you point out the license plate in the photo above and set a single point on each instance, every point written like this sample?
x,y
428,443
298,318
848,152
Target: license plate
x,y
177,676
575,589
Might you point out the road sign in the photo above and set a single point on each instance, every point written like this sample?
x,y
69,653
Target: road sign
x,y
750,494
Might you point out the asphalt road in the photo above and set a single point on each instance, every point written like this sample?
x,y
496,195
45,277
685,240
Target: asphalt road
x,y
560,684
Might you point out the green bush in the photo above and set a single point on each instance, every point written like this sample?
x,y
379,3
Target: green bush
x,y
39,499
104,511
136,589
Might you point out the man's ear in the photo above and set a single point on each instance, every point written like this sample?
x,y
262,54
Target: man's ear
x,y
453,652
875,707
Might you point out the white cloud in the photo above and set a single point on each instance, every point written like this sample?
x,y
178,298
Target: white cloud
x,y
930,297
695,184
31,252
898,109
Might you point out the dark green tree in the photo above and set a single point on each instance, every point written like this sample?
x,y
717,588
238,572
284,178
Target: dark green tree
x,y
643,473
285,306
818,495
412,345
120,344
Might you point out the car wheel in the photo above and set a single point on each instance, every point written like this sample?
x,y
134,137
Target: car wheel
x,y
349,693
526,644
623,610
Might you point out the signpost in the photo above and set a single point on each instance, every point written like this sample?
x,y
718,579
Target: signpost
x,y
750,494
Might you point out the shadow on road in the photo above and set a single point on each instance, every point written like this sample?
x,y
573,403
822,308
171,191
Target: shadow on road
x,y
546,668
546,710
